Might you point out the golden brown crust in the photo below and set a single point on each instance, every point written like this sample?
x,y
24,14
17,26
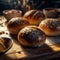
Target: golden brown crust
x,y
15,24
34,16
31,36
29,14
50,26
37,15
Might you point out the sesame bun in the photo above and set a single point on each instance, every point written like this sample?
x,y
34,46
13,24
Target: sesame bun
x,y
16,24
50,26
31,36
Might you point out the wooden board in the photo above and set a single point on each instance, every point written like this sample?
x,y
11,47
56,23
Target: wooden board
x,y
51,49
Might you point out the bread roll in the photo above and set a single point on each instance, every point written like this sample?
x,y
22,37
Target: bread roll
x,y
51,12
50,26
34,16
15,24
12,13
31,36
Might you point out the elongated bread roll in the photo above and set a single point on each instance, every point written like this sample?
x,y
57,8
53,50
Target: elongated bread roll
x,y
34,16
31,36
50,26
16,24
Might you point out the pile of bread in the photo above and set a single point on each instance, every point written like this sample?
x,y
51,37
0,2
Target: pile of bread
x,y
31,28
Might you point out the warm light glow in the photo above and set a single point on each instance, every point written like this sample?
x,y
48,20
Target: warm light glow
x,y
53,46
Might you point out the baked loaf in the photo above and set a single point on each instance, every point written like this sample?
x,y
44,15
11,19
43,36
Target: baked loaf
x,y
12,13
15,24
51,12
50,26
31,36
34,16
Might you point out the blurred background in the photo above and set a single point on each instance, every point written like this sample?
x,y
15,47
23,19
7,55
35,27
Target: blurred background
x,y
25,5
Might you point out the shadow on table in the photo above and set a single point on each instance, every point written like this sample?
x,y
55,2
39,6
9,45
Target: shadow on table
x,y
29,52
43,52
39,53
54,40
37,50
5,57
14,38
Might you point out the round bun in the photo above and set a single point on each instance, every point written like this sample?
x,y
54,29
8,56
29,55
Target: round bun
x,y
15,24
12,13
50,26
51,12
31,36
34,16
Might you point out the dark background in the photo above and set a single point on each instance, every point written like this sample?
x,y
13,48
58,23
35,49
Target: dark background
x,y
34,4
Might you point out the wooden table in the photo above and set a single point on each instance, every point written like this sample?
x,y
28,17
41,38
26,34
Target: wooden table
x,y
50,50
